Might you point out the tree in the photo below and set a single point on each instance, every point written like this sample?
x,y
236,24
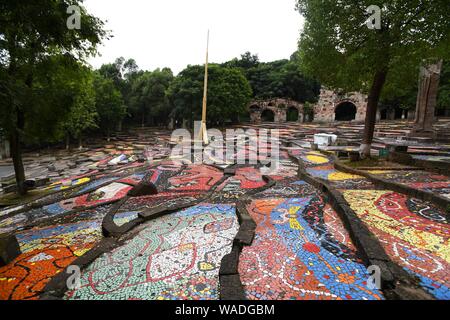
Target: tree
x,y
123,73
246,62
120,72
148,96
277,79
57,81
83,114
31,32
229,93
108,103
342,52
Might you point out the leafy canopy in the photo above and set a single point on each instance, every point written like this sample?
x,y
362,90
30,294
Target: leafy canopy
x,y
229,93
277,79
338,47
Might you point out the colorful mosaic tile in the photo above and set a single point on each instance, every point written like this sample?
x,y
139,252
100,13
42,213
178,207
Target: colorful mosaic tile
x,y
45,253
174,257
416,235
122,218
297,255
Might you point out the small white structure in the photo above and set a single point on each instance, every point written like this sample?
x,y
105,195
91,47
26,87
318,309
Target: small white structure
x,y
325,139
120,159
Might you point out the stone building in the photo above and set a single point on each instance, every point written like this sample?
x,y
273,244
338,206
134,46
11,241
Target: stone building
x,y
276,110
335,106
332,106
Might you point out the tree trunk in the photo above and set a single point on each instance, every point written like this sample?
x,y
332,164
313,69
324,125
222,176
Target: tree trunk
x,y
80,143
371,115
16,153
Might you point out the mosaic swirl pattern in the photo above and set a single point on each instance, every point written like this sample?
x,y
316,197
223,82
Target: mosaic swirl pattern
x,y
174,257
301,251
45,253
415,236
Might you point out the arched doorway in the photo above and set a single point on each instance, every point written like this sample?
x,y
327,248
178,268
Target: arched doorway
x,y
292,114
345,111
268,116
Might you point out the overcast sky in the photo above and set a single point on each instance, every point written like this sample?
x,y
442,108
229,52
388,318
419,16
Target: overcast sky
x,y
172,33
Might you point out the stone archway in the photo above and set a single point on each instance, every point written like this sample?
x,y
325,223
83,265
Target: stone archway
x,y
293,114
268,116
345,111
278,110
330,101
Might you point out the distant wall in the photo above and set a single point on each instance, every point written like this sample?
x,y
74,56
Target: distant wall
x,y
278,106
329,100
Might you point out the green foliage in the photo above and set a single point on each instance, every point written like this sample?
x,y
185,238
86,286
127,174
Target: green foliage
x,y
39,62
63,95
83,113
277,79
405,97
338,47
246,62
35,45
229,93
148,97
122,72
108,103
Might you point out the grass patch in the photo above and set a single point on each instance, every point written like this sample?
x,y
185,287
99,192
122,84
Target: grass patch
x,y
369,162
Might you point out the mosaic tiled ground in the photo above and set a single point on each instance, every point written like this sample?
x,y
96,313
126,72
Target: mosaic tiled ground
x,y
301,251
45,253
421,180
415,234
174,257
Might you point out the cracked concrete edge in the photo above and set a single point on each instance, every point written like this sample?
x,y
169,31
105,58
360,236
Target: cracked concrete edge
x,y
246,233
231,288
439,201
230,285
270,183
397,283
